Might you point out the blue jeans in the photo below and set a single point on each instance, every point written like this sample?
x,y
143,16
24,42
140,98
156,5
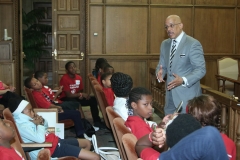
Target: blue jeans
x,y
203,144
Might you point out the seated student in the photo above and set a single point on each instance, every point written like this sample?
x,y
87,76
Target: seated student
x,y
73,91
186,139
7,133
207,111
42,102
121,85
66,105
98,66
107,89
108,68
6,92
33,129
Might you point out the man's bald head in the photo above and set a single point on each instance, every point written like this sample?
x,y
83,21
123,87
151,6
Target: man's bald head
x,y
173,26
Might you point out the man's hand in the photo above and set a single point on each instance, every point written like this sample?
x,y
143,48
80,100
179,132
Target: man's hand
x,y
158,137
159,75
175,83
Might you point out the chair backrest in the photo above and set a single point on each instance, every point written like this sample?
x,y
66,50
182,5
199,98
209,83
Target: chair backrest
x,y
30,97
228,67
121,129
15,142
129,142
111,114
102,102
7,114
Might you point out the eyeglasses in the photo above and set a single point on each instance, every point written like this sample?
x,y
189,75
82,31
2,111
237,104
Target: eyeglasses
x,y
171,26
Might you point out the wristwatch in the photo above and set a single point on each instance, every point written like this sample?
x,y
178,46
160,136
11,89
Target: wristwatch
x,y
183,83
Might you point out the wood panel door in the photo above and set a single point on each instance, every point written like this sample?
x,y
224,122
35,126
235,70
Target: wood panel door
x,y
68,28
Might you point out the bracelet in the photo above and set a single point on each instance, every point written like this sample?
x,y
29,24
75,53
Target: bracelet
x,y
80,95
149,136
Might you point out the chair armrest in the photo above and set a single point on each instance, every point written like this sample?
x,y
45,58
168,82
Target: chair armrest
x,y
27,147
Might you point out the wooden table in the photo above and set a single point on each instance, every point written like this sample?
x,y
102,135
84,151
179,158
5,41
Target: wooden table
x,y
235,80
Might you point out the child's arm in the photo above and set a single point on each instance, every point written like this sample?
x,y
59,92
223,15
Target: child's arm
x,y
27,131
59,108
58,93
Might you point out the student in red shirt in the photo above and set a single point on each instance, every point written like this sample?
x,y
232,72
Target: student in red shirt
x,y
6,151
107,89
73,91
207,111
50,96
42,102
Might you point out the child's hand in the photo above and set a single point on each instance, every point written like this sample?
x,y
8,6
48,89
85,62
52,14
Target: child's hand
x,y
85,95
60,90
38,120
158,137
12,88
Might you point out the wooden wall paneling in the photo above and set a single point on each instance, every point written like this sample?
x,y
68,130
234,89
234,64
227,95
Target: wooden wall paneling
x,y
96,30
214,28
238,31
215,2
176,2
95,1
75,42
158,16
127,1
6,51
153,63
126,30
7,73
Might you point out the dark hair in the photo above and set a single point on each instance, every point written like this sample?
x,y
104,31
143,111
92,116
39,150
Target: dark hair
x,y
105,75
99,63
205,109
67,64
181,126
136,94
106,67
38,74
121,84
27,82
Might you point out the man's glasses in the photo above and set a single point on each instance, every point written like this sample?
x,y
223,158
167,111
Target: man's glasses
x,y
171,26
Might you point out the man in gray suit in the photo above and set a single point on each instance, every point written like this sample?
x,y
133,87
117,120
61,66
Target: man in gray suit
x,y
182,59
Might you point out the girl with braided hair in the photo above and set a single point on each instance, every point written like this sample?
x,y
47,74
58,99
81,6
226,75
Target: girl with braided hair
x,y
121,85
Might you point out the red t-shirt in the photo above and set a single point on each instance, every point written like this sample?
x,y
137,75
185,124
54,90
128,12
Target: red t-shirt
x,y
47,91
230,146
149,154
54,140
109,94
138,126
1,87
10,154
72,85
40,99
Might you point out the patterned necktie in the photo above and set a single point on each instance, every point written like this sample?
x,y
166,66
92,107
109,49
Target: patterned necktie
x,y
173,50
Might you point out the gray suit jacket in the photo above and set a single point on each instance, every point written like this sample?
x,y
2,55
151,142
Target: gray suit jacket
x,y
188,62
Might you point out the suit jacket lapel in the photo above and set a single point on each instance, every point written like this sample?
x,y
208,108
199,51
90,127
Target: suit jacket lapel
x,y
178,51
167,51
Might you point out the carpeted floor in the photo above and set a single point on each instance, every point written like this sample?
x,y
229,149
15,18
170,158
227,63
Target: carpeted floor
x,y
104,136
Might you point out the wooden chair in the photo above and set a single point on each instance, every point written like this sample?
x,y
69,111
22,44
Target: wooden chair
x,y
26,146
227,67
67,122
129,142
121,129
102,102
111,114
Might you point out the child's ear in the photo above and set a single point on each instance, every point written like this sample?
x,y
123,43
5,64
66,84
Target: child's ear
x,y
103,81
134,105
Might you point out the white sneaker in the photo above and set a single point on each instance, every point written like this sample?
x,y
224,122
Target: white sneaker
x,y
96,128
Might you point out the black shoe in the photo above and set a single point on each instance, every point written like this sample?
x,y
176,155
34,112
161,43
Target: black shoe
x,y
101,125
